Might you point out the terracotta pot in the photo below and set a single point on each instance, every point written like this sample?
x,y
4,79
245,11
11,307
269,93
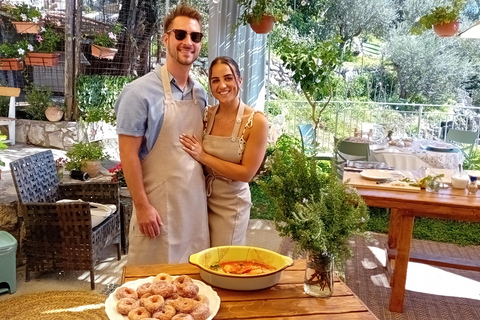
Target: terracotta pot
x,y
446,29
54,114
28,27
265,25
103,52
11,64
42,59
92,168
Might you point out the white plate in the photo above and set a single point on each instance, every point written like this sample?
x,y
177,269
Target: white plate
x,y
206,290
440,146
375,174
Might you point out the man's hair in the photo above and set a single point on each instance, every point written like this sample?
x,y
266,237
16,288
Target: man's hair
x,y
182,10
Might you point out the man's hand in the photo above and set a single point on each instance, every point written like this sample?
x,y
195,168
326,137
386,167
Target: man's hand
x,y
149,221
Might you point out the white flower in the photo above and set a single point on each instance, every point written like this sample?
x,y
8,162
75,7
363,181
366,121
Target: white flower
x,y
305,200
285,17
112,36
303,2
24,17
44,14
43,29
21,51
35,20
30,47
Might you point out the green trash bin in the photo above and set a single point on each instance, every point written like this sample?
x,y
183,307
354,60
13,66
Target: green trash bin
x,y
8,273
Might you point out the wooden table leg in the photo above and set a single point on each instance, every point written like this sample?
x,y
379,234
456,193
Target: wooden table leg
x,y
401,261
393,228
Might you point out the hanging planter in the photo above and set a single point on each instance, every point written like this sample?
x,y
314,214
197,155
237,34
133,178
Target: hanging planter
x,y
265,25
28,27
42,59
11,64
446,29
103,52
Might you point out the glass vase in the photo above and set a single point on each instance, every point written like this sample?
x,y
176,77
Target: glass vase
x,y
319,275
60,174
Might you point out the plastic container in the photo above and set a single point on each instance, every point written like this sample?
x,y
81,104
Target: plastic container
x,y
8,273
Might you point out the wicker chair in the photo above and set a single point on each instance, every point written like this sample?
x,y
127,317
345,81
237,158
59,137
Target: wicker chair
x,y
59,236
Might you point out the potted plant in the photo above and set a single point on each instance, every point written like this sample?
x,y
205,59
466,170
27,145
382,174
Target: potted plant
x,y
262,14
12,53
117,175
86,157
316,210
443,20
25,18
105,41
38,99
44,53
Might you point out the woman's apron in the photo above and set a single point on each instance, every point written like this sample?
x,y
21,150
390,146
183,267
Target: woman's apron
x,y
229,201
175,186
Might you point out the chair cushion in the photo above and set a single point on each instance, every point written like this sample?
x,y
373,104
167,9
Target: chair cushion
x,y
99,212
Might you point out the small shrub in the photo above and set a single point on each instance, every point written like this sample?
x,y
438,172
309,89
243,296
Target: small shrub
x,y
82,152
39,99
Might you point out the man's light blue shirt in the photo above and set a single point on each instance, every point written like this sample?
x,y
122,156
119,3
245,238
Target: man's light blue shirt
x,y
140,107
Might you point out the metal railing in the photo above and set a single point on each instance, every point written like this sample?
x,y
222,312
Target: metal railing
x,y
341,118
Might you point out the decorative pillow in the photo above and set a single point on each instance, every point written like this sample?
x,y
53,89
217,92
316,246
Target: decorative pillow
x,y
98,211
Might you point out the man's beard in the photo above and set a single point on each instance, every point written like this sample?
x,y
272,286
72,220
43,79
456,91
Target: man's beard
x,y
177,55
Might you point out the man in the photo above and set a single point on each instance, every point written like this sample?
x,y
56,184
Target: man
x,y
169,220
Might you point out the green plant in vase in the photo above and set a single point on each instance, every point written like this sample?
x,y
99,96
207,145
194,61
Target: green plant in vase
x,y
257,10
318,212
86,157
438,16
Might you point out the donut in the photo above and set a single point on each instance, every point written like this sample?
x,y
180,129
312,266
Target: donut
x,y
125,292
200,312
200,298
187,289
139,313
163,277
153,303
184,305
164,289
166,313
182,316
143,289
125,305
182,279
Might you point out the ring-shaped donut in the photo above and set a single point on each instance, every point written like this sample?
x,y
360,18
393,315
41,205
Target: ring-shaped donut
x,y
184,305
153,303
201,311
126,292
144,289
163,277
164,289
182,316
166,313
125,305
187,289
139,313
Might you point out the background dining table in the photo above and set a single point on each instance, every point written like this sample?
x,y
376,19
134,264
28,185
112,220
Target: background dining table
x,y
284,301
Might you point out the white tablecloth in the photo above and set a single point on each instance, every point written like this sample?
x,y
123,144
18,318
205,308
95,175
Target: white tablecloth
x,y
415,156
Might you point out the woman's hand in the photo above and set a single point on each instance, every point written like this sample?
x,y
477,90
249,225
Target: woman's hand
x,y
192,146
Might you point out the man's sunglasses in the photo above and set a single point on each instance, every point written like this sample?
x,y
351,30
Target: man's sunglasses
x,y
181,34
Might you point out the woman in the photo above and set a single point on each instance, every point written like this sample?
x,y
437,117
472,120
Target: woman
x,y
234,144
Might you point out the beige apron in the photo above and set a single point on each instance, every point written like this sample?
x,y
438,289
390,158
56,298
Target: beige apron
x,y
228,201
175,186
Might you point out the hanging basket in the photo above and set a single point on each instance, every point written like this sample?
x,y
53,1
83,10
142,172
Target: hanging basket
x,y
42,59
103,52
265,25
11,64
28,27
446,29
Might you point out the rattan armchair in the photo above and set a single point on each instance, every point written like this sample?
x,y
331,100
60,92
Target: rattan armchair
x,y
59,236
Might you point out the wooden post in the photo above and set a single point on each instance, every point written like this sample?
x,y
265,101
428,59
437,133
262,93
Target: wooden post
x,y
78,50
69,57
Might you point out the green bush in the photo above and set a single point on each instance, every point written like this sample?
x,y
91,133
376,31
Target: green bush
x,y
81,152
39,99
97,94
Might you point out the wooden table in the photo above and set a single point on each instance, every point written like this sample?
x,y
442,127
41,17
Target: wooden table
x,y
284,301
447,204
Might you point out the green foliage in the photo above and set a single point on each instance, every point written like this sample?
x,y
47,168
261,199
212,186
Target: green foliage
x,y
48,40
438,15
254,10
4,106
108,38
313,208
2,146
82,152
39,99
24,12
16,49
472,161
97,94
